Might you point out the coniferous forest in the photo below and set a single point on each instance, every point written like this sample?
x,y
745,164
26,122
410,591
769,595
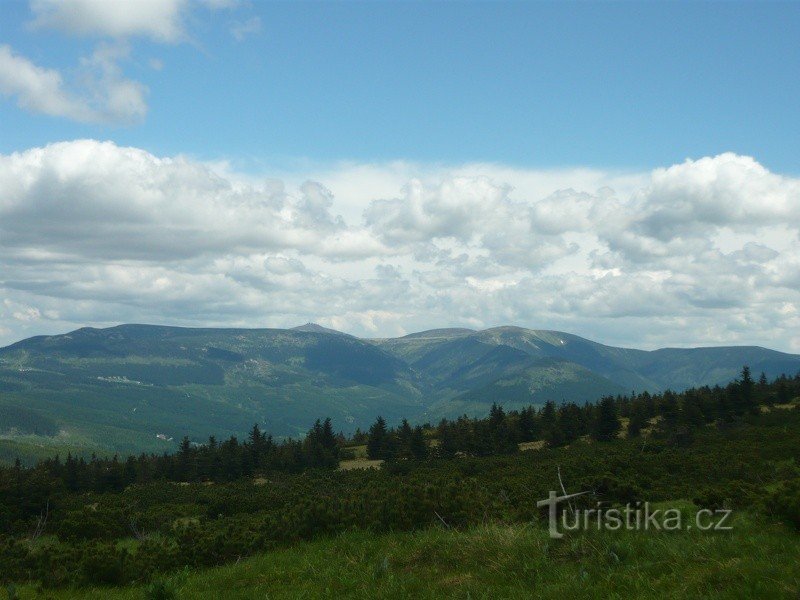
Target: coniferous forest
x,y
72,522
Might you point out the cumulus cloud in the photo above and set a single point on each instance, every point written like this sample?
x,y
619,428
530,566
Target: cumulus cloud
x,y
36,89
726,190
698,253
105,96
160,20
93,199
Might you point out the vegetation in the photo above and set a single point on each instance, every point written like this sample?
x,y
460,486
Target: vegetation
x,y
138,388
755,560
139,521
18,419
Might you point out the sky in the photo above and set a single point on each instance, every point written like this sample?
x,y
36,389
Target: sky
x,y
622,171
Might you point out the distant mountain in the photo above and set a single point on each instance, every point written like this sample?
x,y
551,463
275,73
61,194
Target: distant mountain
x,y
133,387
121,387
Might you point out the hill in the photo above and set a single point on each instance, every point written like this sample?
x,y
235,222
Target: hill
x,y
133,387
468,370
140,387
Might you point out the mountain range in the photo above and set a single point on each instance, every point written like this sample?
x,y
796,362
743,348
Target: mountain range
x,y
137,388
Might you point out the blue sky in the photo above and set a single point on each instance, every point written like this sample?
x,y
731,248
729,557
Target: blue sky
x,y
548,84
625,171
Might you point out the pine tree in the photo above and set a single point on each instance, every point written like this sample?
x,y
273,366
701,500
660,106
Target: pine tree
x,y
747,391
669,413
691,415
784,395
496,415
547,416
606,424
447,440
418,447
570,421
329,441
554,437
378,442
638,420
506,439
404,440
526,425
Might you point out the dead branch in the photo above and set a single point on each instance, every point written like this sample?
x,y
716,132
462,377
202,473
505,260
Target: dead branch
x,y
441,519
41,523
564,491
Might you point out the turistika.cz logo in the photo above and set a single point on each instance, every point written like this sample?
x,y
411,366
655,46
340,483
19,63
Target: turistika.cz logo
x,y
638,517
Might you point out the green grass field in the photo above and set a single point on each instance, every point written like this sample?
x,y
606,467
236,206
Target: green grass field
x,y
757,559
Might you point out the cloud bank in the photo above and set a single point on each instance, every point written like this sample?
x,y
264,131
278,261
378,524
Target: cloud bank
x,y
702,252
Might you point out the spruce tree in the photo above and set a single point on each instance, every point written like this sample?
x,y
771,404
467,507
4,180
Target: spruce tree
x,y
638,420
404,440
747,395
418,447
606,424
377,442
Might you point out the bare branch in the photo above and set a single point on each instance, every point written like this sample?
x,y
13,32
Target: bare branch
x,y
441,519
41,522
564,491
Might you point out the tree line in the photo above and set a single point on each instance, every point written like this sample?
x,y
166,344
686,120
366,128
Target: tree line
x,y
669,415
673,417
228,460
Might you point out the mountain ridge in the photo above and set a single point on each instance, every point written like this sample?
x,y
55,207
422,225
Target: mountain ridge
x,y
119,387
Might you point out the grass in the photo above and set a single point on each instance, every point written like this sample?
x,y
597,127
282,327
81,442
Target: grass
x,y
757,559
360,459
359,463
536,445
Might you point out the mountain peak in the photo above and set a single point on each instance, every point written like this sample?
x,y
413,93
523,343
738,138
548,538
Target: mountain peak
x,y
316,328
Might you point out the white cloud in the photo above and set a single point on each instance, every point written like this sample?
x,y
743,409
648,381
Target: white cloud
x,y
701,253
160,20
99,93
119,99
105,97
715,191
90,199
38,89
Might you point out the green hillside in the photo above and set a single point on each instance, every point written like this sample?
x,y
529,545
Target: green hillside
x,y
137,388
756,560
133,387
536,382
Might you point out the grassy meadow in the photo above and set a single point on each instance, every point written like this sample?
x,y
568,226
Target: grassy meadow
x,y
756,559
